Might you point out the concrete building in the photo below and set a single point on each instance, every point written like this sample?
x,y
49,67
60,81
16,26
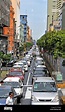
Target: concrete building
x,y
62,17
4,22
59,5
29,34
16,6
9,31
23,20
21,33
53,11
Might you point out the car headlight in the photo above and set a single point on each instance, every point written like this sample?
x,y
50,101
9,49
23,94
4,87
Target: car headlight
x,y
56,99
33,98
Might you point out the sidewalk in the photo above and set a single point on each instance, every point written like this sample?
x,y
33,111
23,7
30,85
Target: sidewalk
x,y
3,74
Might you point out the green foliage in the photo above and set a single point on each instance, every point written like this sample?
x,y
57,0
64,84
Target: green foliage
x,y
21,48
53,42
1,55
6,57
29,44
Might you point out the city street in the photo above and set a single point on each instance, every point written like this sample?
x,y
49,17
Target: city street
x,y
32,52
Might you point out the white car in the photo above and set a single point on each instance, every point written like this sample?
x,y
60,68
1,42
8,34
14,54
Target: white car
x,y
45,92
25,65
16,83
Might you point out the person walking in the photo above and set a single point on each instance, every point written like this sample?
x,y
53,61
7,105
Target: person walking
x,y
9,100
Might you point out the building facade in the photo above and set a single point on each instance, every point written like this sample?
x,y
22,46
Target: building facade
x,y
29,34
9,31
53,11
4,22
62,17
16,6
23,20
21,33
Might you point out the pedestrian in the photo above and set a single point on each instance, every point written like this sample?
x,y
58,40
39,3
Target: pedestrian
x,y
9,100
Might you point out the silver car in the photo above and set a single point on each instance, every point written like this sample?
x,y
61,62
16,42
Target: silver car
x,y
45,92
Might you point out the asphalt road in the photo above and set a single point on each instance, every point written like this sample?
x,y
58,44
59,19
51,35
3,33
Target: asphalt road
x,y
26,100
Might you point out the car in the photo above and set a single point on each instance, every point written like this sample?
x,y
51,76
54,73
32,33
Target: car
x,y
15,73
25,65
4,62
27,59
17,84
4,93
38,73
41,68
19,65
63,63
45,92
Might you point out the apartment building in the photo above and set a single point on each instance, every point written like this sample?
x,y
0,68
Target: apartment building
x,y
23,20
29,34
4,22
16,6
9,31
62,17
53,11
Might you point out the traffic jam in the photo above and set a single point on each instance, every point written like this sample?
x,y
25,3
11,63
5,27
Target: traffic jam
x,y
30,81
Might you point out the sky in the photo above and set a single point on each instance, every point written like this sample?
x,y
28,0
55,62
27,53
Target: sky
x,y
36,11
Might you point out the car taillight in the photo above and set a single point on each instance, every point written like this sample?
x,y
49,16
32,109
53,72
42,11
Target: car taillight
x,y
23,77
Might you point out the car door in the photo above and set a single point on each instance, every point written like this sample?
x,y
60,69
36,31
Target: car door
x,y
15,96
21,86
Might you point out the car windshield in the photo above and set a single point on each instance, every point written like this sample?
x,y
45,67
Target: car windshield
x,y
13,84
24,63
40,68
19,64
44,87
4,92
39,72
13,73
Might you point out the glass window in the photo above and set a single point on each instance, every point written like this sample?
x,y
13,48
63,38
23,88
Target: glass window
x,y
44,87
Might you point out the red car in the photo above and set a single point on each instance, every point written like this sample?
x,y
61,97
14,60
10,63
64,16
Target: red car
x,y
16,73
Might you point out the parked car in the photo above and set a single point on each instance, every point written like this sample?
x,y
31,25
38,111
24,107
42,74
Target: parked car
x,y
45,92
10,63
4,93
63,63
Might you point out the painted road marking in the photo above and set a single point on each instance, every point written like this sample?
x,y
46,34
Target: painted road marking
x,y
28,93
28,79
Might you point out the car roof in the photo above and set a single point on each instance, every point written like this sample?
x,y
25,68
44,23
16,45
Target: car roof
x,y
17,65
41,66
39,58
44,79
15,79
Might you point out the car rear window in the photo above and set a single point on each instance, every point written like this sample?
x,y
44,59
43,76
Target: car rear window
x,y
15,73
